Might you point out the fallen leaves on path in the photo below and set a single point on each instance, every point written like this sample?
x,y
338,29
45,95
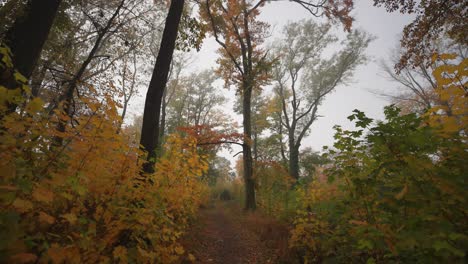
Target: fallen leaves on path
x,y
225,234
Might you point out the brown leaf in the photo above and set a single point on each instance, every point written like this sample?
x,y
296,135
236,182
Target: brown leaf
x,y
46,218
400,195
23,258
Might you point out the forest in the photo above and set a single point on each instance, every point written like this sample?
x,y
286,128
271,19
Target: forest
x,y
185,131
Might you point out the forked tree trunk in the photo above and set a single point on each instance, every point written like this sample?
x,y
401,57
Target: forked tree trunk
x,y
151,115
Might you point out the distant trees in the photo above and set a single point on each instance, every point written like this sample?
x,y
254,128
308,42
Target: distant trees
x,y
303,76
218,171
243,63
195,102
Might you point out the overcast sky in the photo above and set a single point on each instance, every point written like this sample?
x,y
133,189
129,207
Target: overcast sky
x,y
386,27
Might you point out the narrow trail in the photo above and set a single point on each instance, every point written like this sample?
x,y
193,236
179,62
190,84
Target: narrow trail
x,y
224,234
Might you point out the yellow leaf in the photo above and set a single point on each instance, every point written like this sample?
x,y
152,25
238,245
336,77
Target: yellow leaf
x,y
179,250
46,218
20,77
22,205
121,254
70,217
35,105
450,124
23,258
191,257
42,195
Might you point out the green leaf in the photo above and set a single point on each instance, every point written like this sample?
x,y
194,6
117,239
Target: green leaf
x,y
365,244
441,245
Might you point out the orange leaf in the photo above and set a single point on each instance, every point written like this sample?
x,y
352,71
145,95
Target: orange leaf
x,y
56,254
42,195
22,205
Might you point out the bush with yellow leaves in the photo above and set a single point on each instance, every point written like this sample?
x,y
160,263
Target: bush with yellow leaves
x,y
83,201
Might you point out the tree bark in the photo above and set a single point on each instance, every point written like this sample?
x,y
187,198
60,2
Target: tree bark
x,y
26,39
162,130
28,34
151,115
294,161
250,203
37,78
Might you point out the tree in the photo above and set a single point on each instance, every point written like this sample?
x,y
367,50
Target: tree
x,y
67,96
309,164
304,77
91,41
259,119
26,39
195,102
128,83
243,63
218,170
29,32
417,85
151,115
433,19
173,87
88,39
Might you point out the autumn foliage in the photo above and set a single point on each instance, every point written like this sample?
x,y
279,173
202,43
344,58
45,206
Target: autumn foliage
x,y
396,193
82,202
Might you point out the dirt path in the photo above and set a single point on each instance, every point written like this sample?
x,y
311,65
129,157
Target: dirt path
x,y
222,235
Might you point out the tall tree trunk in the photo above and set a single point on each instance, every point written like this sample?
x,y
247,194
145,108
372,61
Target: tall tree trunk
x,y
26,38
37,78
28,34
293,160
255,145
162,131
151,115
250,203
